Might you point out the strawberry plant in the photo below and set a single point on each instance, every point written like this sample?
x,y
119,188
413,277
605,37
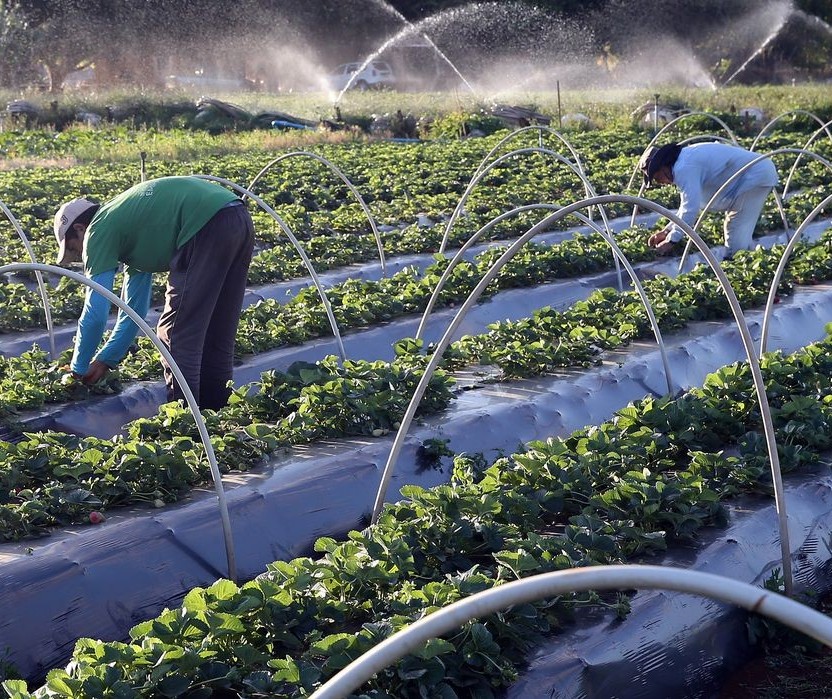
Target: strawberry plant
x,y
652,475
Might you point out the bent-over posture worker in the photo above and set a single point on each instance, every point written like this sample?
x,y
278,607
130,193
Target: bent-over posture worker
x,y
198,232
698,170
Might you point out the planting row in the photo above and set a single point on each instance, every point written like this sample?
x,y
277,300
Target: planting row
x,y
652,476
46,483
397,198
560,339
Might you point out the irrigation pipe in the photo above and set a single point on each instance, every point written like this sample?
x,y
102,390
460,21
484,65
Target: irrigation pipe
x,y
736,309
298,247
737,175
47,309
183,384
781,266
483,171
812,115
547,585
610,240
335,169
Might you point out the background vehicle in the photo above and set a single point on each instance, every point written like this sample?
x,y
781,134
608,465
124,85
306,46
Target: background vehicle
x,y
374,75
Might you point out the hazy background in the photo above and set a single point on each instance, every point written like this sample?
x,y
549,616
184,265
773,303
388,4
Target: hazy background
x,y
291,45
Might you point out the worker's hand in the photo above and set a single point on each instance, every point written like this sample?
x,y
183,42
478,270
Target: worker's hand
x,y
97,371
659,238
661,242
666,248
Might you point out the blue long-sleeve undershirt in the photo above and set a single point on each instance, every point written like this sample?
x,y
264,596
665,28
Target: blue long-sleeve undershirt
x,y
93,320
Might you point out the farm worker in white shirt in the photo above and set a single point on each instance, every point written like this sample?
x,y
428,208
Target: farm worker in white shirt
x,y
698,170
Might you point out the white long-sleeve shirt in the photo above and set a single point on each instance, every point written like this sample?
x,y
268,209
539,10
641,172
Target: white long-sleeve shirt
x,y
702,168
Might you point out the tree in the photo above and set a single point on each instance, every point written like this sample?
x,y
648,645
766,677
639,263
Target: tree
x,y
16,60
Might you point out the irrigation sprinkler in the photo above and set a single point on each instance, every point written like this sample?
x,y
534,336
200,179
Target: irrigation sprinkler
x,y
180,378
781,266
47,309
335,169
736,309
298,247
823,125
736,176
561,582
143,166
482,171
656,113
610,240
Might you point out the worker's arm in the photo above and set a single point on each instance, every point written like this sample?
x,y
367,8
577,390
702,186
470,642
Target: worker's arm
x,y
92,323
136,292
690,193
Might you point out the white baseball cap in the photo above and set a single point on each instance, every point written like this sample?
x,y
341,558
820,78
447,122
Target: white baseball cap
x,y
66,216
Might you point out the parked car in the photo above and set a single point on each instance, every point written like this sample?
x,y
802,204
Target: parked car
x,y
206,83
375,74
79,79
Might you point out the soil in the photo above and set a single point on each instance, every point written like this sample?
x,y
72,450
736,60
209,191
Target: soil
x,y
792,666
789,674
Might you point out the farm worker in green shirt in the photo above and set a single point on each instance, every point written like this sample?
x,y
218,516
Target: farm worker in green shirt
x,y
200,234
699,170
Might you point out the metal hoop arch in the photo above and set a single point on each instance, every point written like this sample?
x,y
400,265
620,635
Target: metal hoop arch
x,y
608,238
736,175
183,384
781,266
47,308
298,247
483,171
560,582
739,318
541,129
337,171
805,150
812,115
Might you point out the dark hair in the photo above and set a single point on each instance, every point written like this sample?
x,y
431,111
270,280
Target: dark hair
x,y
664,157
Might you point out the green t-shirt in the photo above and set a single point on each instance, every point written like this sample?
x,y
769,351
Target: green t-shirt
x,y
143,226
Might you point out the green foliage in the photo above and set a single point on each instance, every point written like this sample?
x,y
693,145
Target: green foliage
x,y
652,475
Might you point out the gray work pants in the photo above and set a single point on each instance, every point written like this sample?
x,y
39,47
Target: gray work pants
x,y
741,221
204,297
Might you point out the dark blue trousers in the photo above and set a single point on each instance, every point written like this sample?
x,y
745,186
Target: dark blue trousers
x,y
204,297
